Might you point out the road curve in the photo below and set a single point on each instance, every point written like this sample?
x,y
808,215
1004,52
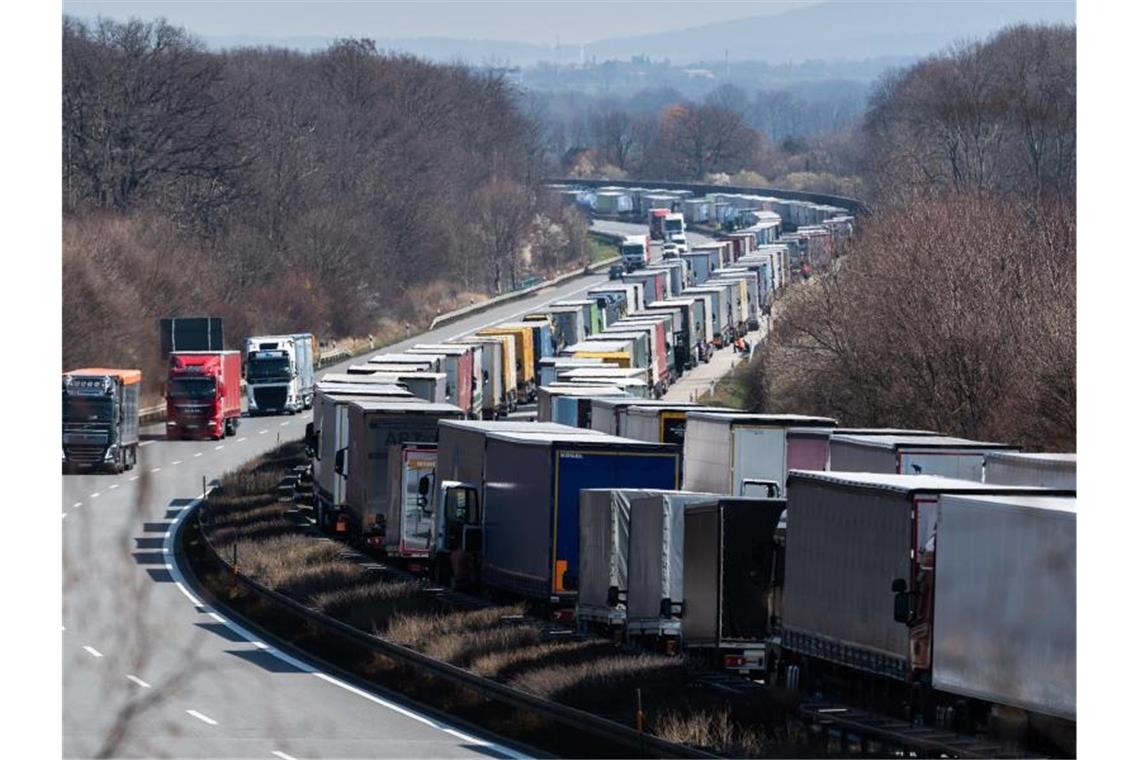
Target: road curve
x,y
151,672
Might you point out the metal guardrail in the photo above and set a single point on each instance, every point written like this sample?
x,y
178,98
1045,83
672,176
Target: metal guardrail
x,y
615,738
515,295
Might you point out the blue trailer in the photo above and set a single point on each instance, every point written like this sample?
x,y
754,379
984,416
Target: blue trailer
x,y
530,519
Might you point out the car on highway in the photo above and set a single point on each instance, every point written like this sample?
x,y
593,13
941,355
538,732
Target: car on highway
x,y
616,271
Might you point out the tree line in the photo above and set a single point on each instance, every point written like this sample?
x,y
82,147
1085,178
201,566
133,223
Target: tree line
x,y
343,192
956,310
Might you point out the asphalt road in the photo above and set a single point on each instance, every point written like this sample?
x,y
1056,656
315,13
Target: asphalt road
x,y
151,672
630,228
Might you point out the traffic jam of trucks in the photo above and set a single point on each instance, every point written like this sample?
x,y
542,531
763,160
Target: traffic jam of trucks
x,y
537,460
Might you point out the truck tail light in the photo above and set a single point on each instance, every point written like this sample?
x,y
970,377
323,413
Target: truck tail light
x,y
341,526
733,661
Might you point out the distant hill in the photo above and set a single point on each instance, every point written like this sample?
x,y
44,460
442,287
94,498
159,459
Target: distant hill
x,y
839,30
836,30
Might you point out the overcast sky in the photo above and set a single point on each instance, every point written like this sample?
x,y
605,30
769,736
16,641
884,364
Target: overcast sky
x,y
545,22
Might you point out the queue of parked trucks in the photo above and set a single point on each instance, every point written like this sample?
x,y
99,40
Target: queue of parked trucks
x,y
933,572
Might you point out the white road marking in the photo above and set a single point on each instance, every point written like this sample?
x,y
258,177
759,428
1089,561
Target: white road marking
x,y
113,485
93,651
77,505
239,440
282,755
64,627
146,443
262,432
64,515
138,681
305,667
204,718
157,469
136,477
283,424
198,454
94,495
177,461
218,448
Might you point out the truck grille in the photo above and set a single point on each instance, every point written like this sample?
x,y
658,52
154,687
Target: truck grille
x,y
270,398
85,454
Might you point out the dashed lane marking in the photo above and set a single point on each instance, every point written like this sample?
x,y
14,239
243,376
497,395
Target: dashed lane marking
x,y
136,477
112,486
198,454
157,469
204,718
138,681
94,495
176,461
93,651
239,440
282,755
77,505
219,448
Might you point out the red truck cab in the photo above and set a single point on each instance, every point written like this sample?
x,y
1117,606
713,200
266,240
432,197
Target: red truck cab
x,y
203,394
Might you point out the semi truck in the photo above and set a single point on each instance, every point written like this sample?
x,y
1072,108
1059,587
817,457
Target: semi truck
x,y
203,394
279,373
635,251
674,224
657,223
374,427
101,418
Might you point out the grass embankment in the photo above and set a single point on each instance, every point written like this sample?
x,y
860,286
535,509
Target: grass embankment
x,y
277,547
600,250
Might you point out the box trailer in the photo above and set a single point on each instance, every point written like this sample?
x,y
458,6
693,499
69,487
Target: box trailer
x,y
501,366
490,373
610,415
569,404
1014,468
463,365
667,336
328,433
603,539
531,508
460,478
1005,601
373,428
660,423
411,488
524,358
912,455
550,366
190,334
656,564
740,454
730,572
854,542
431,362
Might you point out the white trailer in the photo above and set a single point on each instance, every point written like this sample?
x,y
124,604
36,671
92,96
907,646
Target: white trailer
x,y
1014,468
279,373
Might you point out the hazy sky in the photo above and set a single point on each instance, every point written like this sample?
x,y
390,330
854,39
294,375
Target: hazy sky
x,y
545,22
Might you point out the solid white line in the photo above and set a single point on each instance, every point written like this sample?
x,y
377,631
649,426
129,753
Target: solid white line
x,y
305,667
216,448
239,440
146,443
198,454
204,718
113,485
156,469
138,681
282,755
93,651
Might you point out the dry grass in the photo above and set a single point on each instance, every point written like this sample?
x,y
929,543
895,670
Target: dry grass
x,y
711,730
579,683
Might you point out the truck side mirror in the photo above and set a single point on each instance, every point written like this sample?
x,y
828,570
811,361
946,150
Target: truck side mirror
x,y
310,440
339,463
902,601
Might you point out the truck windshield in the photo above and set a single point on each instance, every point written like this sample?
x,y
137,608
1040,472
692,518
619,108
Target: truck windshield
x,y
632,250
88,409
191,387
673,225
262,369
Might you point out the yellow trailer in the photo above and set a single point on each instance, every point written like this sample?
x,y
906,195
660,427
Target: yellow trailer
x,y
620,358
524,356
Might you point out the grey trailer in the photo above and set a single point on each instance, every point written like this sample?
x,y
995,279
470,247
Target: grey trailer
x,y
731,570
1013,468
661,423
491,374
373,427
912,455
608,415
733,453
656,563
1005,601
854,542
603,528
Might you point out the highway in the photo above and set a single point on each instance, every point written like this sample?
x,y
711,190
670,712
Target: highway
x,y
149,671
